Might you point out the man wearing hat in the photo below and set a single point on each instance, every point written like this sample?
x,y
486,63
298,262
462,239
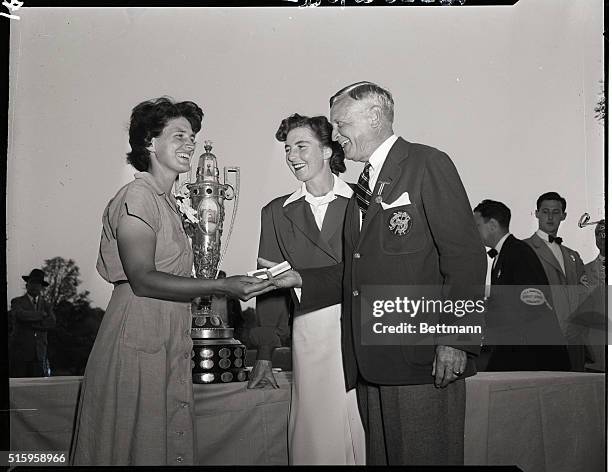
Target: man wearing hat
x,y
31,317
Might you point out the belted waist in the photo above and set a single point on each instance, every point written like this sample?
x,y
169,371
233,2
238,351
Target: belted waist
x,y
120,282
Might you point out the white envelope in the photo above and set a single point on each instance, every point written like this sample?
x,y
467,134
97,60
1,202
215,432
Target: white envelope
x,y
403,199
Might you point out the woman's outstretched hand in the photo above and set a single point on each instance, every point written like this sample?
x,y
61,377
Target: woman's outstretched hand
x,y
289,279
245,287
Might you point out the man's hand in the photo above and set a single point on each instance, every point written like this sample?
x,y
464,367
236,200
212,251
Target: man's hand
x,y
289,279
262,375
245,287
448,365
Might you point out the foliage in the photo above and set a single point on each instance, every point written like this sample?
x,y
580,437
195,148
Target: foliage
x,y
70,342
63,277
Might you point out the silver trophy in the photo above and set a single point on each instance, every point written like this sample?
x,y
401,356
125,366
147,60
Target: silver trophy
x,y
216,357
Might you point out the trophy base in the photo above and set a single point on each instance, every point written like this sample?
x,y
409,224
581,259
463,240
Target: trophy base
x,y
218,361
212,333
212,378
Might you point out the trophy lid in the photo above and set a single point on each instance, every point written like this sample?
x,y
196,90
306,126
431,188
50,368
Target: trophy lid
x,y
207,165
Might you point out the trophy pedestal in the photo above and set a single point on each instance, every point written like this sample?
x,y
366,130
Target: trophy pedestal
x,y
216,357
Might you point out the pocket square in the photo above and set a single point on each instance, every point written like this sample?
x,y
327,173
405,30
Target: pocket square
x,y
403,199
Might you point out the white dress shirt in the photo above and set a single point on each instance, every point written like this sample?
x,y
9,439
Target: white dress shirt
x,y
554,247
319,205
377,160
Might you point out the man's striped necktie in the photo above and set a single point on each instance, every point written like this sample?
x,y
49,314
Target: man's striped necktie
x,y
362,191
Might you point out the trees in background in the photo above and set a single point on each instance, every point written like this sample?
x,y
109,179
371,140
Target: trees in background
x,y
63,277
77,321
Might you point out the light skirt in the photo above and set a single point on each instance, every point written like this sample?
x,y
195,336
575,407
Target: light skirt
x,y
324,422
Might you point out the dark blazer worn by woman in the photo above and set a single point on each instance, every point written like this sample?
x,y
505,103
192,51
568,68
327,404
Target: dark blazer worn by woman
x,y
290,233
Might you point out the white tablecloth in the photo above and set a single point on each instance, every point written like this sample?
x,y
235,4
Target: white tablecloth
x,y
540,421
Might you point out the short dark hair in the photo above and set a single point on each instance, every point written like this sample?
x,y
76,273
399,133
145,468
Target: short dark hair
x,y
497,210
551,196
322,129
368,90
148,121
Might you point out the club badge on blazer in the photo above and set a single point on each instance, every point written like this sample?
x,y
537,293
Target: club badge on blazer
x,y
400,223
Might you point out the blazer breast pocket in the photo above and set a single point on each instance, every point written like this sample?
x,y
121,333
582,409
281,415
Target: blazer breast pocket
x,y
402,230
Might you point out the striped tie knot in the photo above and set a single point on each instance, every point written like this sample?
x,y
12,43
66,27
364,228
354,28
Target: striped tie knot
x,y
362,192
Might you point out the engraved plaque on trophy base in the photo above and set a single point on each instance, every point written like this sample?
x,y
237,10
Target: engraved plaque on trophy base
x,y
216,357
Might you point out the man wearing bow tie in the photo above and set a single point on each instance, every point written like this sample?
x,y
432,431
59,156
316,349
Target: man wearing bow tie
x,y
522,329
563,266
409,223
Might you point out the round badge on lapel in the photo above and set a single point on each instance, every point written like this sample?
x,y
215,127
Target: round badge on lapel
x,y
533,297
400,223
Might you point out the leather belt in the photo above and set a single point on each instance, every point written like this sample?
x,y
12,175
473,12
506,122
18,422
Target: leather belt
x,y
120,282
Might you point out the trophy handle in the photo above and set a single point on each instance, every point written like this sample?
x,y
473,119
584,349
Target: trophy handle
x,y
230,193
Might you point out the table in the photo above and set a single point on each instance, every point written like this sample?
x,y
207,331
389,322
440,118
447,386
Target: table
x,y
234,426
540,421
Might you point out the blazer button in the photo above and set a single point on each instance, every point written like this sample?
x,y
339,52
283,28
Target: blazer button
x,y
356,255
355,293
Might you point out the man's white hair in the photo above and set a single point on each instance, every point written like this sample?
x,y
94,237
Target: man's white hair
x,y
368,91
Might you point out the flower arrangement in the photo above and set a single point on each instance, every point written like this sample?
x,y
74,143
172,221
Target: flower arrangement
x,y
189,214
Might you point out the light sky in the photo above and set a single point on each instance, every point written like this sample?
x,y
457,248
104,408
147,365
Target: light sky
x,y
507,92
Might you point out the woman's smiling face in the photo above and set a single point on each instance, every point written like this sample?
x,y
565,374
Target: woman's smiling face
x,y
175,145
304,154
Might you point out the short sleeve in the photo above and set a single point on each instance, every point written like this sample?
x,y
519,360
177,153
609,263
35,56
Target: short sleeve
x,y
141,202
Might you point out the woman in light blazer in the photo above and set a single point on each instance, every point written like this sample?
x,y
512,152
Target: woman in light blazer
x,y
305,229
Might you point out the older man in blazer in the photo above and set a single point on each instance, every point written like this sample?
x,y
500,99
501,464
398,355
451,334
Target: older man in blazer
x,y
409,223
31,317
564,269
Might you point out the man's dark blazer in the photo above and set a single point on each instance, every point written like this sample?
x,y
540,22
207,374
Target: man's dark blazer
x,y
530,333
290,233
28,343
441,248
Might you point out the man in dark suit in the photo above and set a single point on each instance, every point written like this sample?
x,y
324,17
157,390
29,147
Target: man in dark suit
x,y
409,223
31,317
564,269
522,329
